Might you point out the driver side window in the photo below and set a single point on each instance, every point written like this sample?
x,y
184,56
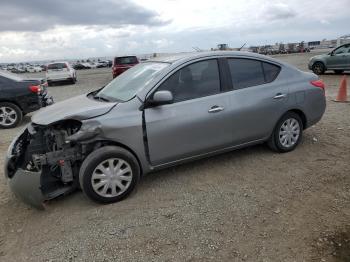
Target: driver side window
x,y
193,81
342,50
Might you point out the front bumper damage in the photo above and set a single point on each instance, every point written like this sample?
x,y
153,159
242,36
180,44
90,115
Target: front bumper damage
x,y
41,164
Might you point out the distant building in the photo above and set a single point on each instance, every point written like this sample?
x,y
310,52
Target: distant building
x,y
313,43
343,40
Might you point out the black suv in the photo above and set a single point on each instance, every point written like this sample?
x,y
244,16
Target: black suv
x,y
19,96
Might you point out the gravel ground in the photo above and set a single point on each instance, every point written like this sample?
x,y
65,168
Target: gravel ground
x,y
247,205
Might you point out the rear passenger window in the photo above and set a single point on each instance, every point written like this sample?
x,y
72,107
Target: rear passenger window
x,y
249,72
271,71
246,72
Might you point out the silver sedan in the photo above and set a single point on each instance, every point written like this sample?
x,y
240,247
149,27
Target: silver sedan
x,y
161,113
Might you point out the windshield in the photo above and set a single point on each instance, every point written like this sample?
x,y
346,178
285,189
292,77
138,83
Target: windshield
x,y
125,86
10,76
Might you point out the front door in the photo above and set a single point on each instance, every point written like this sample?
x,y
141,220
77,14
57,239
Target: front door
x,y
197,122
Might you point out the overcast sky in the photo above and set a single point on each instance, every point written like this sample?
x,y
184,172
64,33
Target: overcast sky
x,y
64,29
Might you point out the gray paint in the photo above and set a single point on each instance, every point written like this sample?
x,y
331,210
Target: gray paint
x,y
79,107
174,133
332,60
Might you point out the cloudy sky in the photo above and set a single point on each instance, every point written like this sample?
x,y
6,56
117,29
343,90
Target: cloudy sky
x,y
63,29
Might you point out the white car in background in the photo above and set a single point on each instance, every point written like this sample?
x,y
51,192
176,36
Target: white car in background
x,y
60,71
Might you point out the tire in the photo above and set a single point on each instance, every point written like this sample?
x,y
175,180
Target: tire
x,y
293,128
10,115
338,72
96,181
318,68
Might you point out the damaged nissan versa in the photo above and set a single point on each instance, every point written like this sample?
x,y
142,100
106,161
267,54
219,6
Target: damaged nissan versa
x,y
161,113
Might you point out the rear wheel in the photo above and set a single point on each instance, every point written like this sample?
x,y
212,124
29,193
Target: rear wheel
x,y
10,115
338,72
287,133
109,174
318,68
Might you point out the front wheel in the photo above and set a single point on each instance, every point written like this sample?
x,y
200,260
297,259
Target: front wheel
x,y
109,174
318,68
287,133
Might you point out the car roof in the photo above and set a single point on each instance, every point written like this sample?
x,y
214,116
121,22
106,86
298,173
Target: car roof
x,y
178,60
182,57
125,56
59,62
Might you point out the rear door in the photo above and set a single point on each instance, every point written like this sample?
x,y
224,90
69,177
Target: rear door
x,y
197,122
257,101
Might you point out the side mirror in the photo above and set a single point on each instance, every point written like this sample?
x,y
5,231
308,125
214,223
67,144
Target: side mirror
x,y
160,98
331,53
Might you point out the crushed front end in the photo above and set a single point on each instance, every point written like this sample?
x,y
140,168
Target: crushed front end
x,y
42,164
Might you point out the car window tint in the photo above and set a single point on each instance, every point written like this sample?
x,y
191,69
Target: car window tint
x,y
246,72
271,71
342,50
126,60
193,81
57,66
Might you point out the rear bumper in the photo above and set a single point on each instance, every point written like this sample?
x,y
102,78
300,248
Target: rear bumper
x,y
36,102
58,79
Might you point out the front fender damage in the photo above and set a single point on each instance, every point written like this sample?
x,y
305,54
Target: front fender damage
x,y
43,164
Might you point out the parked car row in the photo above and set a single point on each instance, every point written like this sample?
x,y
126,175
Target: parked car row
x,y
23,68
91,65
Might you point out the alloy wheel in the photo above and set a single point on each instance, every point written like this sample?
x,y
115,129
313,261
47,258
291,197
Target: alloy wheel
x,y
8,116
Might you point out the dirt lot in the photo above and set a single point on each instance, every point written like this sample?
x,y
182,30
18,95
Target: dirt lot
x,y
248,205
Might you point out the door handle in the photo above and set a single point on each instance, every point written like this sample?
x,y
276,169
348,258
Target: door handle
x,y
215,109
279,96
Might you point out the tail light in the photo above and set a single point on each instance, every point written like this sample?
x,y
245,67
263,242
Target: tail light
x,y
318,83
35,89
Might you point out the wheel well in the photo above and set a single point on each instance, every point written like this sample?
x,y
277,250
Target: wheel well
x,y
321,62
12,102
113,143
301,115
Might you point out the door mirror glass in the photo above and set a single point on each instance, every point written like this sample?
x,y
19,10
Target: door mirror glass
x,y
161,98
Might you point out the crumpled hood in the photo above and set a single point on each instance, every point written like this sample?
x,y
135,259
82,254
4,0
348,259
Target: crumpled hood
x,y
77,108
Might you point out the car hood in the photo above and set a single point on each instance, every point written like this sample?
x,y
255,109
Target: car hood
x,y
77,108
